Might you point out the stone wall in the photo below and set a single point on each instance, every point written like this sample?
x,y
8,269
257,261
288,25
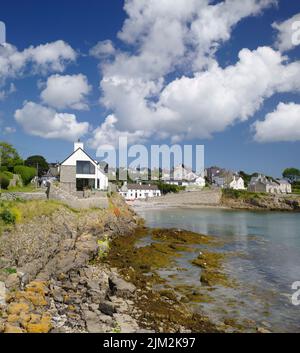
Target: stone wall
x,y
10,196
68,178
96,200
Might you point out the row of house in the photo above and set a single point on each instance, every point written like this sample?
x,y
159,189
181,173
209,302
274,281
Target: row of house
x,y
261,183
79,171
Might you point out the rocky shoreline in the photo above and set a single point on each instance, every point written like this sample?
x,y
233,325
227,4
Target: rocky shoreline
x,y
48,281
55,276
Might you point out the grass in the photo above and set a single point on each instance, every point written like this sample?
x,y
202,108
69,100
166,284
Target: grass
x,y
27,188
25,211
241,194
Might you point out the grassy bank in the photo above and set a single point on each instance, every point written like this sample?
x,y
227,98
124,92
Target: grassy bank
x,y
19,211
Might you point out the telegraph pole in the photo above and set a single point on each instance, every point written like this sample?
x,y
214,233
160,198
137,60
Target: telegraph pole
x,y
37,175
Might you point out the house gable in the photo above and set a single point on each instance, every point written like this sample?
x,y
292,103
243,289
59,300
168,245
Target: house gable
x,y
78,155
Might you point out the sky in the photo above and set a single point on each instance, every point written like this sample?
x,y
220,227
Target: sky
x,y
223,74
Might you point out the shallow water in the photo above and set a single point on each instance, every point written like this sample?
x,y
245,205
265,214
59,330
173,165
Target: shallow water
x,y
267,263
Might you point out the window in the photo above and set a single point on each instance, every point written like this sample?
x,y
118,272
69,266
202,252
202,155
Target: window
x,y
85,167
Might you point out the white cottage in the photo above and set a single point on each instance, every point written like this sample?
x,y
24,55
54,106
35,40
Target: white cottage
x,y
139,191
237,183
79,172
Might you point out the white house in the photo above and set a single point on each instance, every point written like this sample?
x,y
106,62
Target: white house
x,y
139,191
79,172
237,183
285,186
261,183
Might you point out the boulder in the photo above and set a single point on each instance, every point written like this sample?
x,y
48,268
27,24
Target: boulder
x,y
121,288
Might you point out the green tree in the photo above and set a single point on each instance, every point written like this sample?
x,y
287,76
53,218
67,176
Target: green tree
x,y
38,162
291,173
9,156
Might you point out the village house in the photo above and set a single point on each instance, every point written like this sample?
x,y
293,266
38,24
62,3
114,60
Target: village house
x,y
237,183
225,179
182,176
285,186
80,172
139,191
262,184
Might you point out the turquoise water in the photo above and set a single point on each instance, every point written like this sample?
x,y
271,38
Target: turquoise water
x,y
268,263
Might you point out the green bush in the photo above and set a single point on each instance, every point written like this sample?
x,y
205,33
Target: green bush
x,y
167,188
26,173
8,217
3,168
8,174
4,181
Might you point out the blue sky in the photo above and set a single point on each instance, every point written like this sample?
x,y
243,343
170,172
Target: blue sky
x,y
168,115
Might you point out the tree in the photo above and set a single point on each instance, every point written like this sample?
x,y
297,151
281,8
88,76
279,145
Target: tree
x,y
9,156
291,173
38,161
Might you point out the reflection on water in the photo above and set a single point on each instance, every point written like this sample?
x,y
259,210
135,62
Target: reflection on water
x,y
270,261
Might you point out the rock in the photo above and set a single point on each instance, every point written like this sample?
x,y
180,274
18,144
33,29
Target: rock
x,y
17,308
121,288
57,294
92,321
12,329
2,294
262,330
126,323
42,325
12,282
107,308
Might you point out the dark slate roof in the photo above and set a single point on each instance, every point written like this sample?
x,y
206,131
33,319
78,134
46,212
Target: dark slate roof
x,y
142,187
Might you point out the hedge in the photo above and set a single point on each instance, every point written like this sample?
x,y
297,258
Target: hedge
x,y
26,173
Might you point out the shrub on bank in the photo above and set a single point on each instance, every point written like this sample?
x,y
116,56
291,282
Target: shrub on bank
x,y
240,194
26,173
4,181
8,217
167,188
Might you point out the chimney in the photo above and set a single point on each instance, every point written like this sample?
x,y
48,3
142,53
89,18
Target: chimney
x,y
78,144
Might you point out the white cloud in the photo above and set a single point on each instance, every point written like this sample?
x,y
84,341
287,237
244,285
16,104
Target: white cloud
x,y
45,122
206,103
287,31
179,39
103,49
43,58
66,92
282,125
107,135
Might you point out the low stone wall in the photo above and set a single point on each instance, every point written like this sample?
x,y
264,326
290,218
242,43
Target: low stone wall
x,y
10,196
98,200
